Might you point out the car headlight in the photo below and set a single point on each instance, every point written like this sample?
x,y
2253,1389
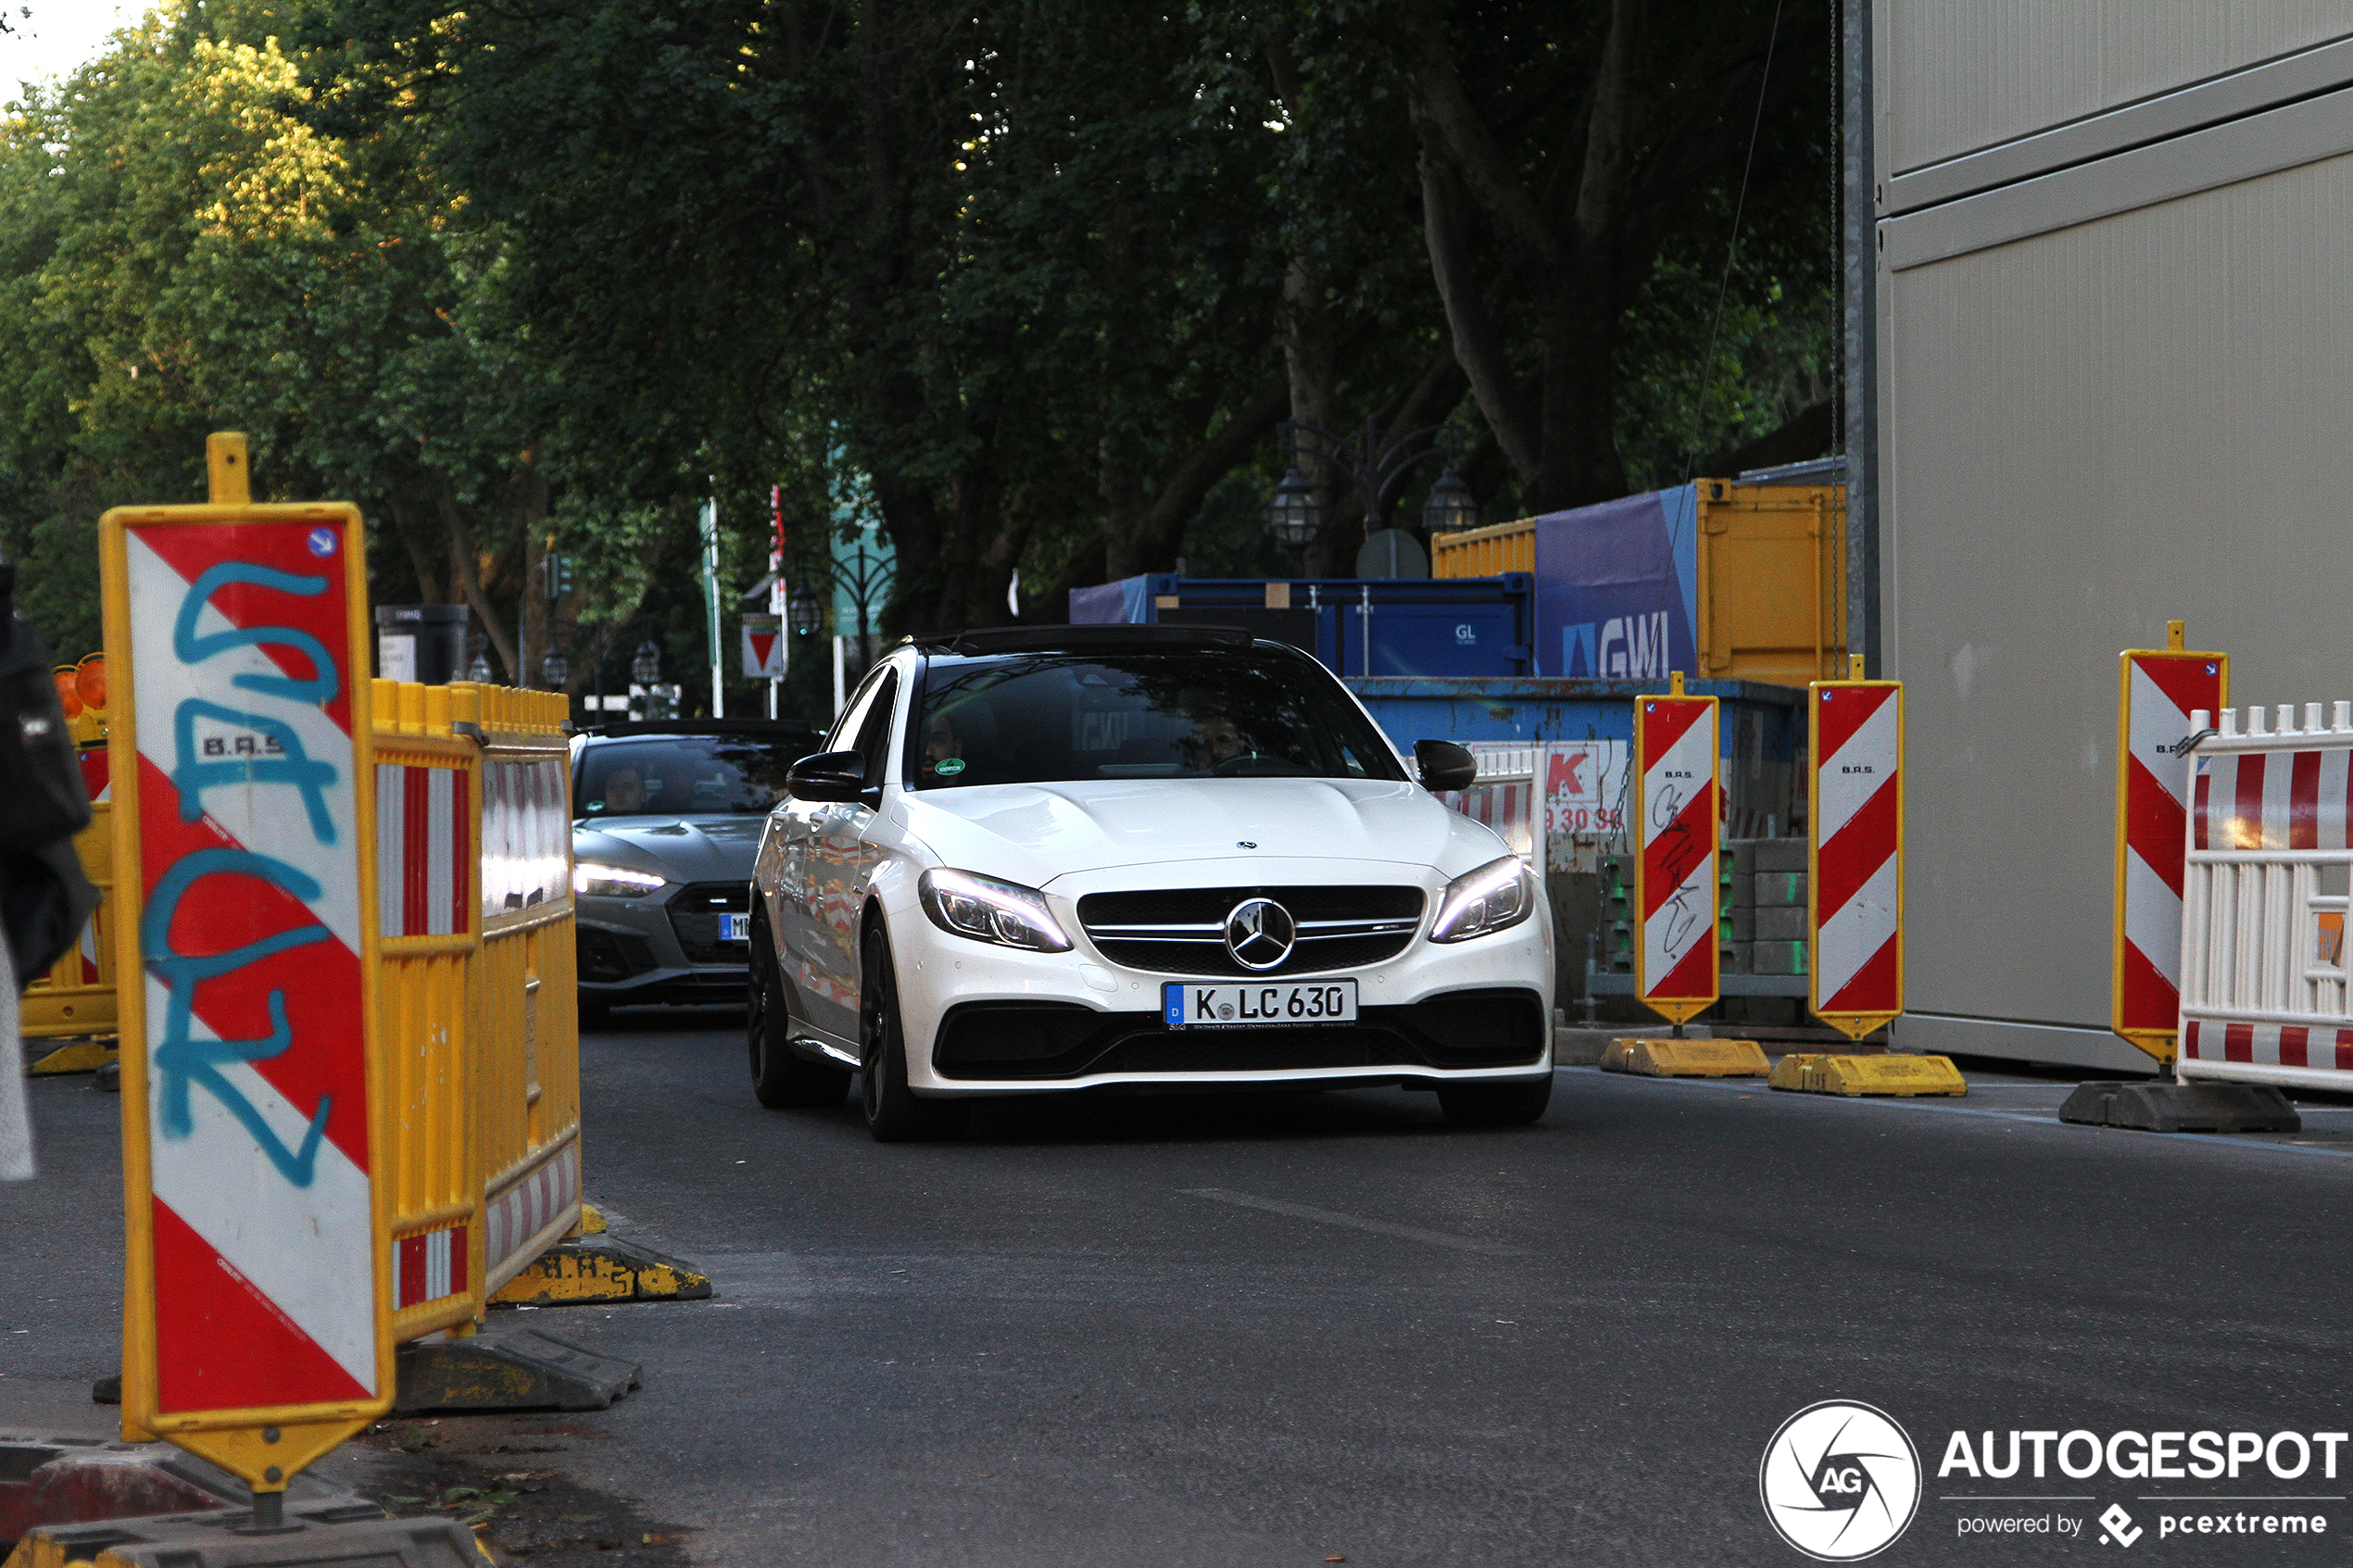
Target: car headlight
x,y
611,881
1500,893
988,910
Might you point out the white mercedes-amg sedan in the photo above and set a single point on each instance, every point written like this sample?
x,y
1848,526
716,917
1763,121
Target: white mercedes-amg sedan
x,y
1083,858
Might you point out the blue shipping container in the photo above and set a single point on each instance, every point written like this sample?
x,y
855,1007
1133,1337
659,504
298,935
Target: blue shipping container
x,y
1468,626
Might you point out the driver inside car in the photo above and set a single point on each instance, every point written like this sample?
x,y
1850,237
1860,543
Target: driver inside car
x,y
624,793
1215,739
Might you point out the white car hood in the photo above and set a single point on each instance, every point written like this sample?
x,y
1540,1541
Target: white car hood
x,y
1033,833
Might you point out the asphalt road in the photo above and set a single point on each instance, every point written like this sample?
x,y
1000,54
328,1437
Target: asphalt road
x,y
1292,1329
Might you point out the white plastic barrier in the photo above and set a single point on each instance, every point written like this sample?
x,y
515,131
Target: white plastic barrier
x,y
2263,977
1509,798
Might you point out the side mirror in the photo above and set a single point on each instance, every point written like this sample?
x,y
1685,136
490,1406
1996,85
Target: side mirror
x,y
1444,765
829,775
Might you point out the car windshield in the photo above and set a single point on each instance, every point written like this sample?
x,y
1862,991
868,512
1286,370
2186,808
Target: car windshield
x,y
1052,717
682,777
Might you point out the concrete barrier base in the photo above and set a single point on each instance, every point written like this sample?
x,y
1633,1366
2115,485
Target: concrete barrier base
x,y
519,1369
2183,1108
224,1539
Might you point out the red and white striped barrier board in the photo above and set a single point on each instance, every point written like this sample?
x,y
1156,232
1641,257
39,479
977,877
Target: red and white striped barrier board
x,y
1854,883
1675,879
241,784
2264,982
2158,691
517,1219
428,1267
424,863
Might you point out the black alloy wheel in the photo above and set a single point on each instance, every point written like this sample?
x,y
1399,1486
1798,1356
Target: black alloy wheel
x,y
781,1078
895,1113
1494,1105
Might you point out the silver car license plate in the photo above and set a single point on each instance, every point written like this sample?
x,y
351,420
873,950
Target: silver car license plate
x,y
735,928
1239,1003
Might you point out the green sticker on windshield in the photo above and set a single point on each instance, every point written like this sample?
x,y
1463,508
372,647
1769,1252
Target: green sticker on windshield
x,y
949,766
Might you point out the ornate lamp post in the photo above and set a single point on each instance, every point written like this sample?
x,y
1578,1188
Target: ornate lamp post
x,y
1293,515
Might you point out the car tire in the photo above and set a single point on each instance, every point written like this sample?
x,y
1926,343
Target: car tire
x,y
1494,1105
895,1113
781,1078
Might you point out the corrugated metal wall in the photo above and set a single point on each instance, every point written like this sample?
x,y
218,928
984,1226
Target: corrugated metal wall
x,y
1960,75
2112,393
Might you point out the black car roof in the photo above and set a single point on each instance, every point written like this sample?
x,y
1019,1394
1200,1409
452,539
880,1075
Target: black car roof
x,y
742,728
1114,638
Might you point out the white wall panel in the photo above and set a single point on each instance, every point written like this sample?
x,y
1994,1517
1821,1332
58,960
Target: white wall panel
x,y
1955,76
2088,432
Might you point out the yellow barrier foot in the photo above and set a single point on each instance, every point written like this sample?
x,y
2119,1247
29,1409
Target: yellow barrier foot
x,y
520,1370
1813,1073
603,1267
75,1056
217,1539
1686,1058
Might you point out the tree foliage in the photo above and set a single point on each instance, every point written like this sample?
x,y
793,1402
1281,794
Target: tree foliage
x,y
1047,275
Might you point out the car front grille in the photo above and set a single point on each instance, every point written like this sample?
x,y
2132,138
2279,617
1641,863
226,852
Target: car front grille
x,y
1182,930
694,916
1002,1041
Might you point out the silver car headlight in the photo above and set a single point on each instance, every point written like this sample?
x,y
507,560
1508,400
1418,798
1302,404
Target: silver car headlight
x,y
988,910
611,881
1498,895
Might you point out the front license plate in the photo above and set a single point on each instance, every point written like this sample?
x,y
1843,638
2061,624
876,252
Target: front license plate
x,y
735,928
1237,1004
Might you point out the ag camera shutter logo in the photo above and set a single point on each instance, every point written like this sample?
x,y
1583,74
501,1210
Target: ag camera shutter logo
x,y
1840,1481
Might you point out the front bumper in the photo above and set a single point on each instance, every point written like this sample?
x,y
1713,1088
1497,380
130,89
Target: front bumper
x,y
982,1020
632,951
1049,1043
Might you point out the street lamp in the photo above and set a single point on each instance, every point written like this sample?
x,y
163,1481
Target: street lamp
x,y
804,612
555,669
1292,515
1295,514
645,667
1450,508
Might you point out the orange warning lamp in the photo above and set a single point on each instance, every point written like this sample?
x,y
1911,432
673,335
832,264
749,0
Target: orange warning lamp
x,y
90,681
68,697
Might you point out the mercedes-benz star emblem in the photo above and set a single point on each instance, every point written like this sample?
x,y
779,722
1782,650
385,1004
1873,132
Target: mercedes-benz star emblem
x,y
1259,932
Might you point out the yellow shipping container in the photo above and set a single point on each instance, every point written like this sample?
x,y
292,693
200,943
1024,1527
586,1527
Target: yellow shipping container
x,y
1772,577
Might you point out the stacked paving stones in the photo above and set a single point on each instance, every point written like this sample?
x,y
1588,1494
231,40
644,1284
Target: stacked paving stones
x,y
1616,873
1764,921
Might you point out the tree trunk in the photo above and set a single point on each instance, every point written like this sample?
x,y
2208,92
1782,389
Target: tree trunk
x,y
432,586
1309,361
464,571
